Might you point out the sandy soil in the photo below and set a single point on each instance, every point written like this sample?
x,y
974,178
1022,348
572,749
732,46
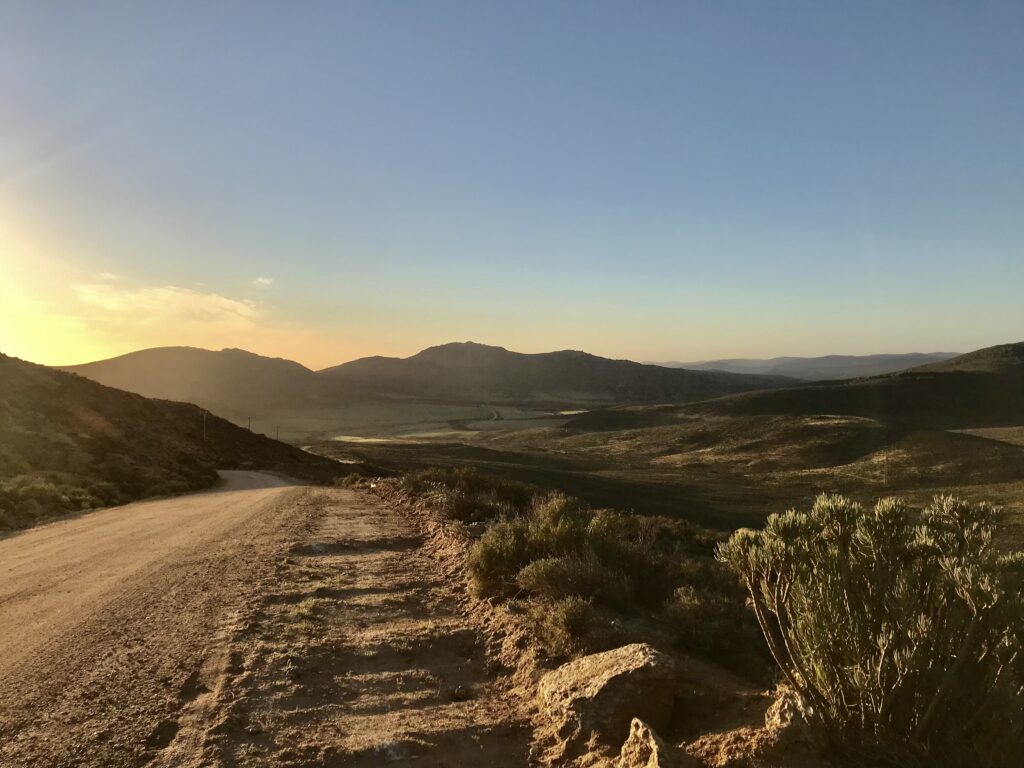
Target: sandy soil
x,y
258,625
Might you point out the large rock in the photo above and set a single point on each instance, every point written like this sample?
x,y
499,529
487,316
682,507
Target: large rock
x,y
596,697
645,749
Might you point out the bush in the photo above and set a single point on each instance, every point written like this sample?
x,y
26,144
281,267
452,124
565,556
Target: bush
x,y
466,495
579,575
563,626
496,559
562,554
897,629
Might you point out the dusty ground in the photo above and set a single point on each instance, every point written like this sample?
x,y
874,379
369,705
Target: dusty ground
x,y
259,625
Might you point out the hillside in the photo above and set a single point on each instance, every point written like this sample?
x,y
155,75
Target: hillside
x,y
980,389
829,367
469,372
231,382
67,444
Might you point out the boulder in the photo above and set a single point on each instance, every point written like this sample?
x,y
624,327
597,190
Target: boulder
x,y
598,696
645,749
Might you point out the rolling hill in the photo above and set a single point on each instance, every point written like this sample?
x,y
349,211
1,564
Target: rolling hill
x,y
236,384
829,367
469,372
231,382
980,389
67,444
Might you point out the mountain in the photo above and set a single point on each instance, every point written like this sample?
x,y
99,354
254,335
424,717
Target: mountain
x,y
237,384
232,382
470,372
824,368
980,389
67,443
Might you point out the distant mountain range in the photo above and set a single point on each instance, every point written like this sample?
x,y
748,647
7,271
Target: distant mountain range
x,y
233,382
829,367
983,388
980,389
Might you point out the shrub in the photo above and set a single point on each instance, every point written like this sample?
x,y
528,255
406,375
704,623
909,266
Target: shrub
x,y
896,628
466,495
563,626
580,575
496,559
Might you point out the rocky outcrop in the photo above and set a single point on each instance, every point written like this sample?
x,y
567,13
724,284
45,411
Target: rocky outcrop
x,y
645,749
595,698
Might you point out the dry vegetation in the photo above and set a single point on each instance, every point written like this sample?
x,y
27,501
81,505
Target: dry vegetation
x,y
594,578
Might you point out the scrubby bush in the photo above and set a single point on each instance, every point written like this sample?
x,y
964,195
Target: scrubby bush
x,y
466,495
574,575
564,626
898,629
496,559
557,554
553,550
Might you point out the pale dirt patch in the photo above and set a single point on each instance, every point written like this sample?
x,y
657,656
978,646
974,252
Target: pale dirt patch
x,y
362,655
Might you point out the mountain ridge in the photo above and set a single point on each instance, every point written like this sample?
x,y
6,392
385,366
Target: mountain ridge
x,y
236,382
820,368
983,388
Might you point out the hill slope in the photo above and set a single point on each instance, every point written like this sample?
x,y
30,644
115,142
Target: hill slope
x,y
829,367
470,372
231,382
980,389
67,443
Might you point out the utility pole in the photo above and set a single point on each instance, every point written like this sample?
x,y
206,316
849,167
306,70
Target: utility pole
x,y
278,437
250,423
204,425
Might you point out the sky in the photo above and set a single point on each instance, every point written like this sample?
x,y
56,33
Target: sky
x,y
656,181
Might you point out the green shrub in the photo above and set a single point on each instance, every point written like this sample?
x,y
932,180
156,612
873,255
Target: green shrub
x,y
496,559
579,575
898,629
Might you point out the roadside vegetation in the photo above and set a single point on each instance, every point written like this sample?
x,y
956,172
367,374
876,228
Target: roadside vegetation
x,y
900,630
594,578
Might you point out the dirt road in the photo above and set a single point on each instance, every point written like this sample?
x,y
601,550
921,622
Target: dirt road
x,y
258,625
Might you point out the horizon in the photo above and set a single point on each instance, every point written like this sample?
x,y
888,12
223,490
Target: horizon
x,y
669,363
672,183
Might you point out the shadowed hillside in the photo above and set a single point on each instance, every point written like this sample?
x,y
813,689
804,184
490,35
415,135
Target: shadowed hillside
x,y
476,372
232,382
237,385
67,444
979,389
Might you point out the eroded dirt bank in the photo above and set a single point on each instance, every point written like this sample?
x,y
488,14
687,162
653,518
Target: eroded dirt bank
x,y
255,626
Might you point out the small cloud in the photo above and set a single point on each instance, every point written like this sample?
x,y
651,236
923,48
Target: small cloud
x,y
107,277
168,304
263,282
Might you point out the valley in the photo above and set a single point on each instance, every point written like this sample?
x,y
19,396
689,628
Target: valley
x,y
394,578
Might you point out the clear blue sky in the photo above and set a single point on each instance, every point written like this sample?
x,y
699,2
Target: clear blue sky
x,y
677,180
